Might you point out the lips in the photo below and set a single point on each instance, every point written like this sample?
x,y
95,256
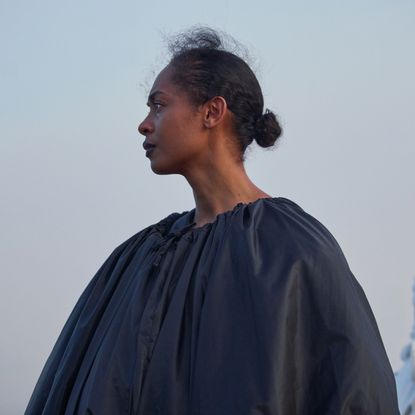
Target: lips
x,y
147,145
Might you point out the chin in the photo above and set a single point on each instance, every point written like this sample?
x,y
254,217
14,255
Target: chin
x,y
159,171
158,168
167,166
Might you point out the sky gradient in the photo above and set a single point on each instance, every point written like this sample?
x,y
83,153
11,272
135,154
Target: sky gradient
x,y
75,181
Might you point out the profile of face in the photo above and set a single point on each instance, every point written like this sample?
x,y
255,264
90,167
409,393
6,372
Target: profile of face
x,y
174,126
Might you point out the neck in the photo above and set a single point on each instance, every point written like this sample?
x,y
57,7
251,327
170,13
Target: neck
x,y
219,187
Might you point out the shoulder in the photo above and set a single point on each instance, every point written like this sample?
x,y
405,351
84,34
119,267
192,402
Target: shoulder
x,y
285,223
281,242
146,234
311,240
299,253
315,259
140,243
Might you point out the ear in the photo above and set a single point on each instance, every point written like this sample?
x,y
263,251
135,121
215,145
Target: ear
x,y
214,111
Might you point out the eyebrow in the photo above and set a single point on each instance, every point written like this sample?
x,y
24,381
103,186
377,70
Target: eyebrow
x,y
152,96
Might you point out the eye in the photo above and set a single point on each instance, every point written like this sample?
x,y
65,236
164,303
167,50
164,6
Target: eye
x,y
157,106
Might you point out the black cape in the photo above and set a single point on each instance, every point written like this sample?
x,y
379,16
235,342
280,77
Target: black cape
x,y
254,313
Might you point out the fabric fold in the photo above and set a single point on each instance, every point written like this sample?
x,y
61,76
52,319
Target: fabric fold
x,y
256,312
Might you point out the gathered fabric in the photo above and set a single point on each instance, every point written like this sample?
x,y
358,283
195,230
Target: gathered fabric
x,y
254,313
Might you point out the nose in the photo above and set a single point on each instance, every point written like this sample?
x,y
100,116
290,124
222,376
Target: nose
x,y
145,127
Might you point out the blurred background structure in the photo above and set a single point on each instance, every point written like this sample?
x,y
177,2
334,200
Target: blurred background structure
x,y
405,376
75,182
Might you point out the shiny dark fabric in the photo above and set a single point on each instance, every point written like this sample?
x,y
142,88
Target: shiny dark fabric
x,y
254,313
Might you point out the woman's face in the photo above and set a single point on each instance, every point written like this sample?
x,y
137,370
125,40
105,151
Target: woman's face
x,y
174,126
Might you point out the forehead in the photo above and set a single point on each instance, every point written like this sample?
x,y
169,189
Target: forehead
x,y
163,82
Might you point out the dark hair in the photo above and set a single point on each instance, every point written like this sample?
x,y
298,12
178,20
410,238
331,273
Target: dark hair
x,y
204,69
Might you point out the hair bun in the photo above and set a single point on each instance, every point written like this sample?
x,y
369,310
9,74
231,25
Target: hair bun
x,y
267,129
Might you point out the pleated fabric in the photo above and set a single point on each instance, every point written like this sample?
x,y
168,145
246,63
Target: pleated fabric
x,y
254,313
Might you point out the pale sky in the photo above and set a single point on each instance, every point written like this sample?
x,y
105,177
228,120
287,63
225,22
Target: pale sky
x,y
75,181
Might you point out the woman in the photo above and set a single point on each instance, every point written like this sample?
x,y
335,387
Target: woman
x,y
243,305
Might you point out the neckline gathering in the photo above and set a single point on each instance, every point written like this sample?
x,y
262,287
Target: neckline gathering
x,y
190,229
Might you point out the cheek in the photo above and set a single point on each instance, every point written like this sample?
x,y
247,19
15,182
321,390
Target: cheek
x,y
180,132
